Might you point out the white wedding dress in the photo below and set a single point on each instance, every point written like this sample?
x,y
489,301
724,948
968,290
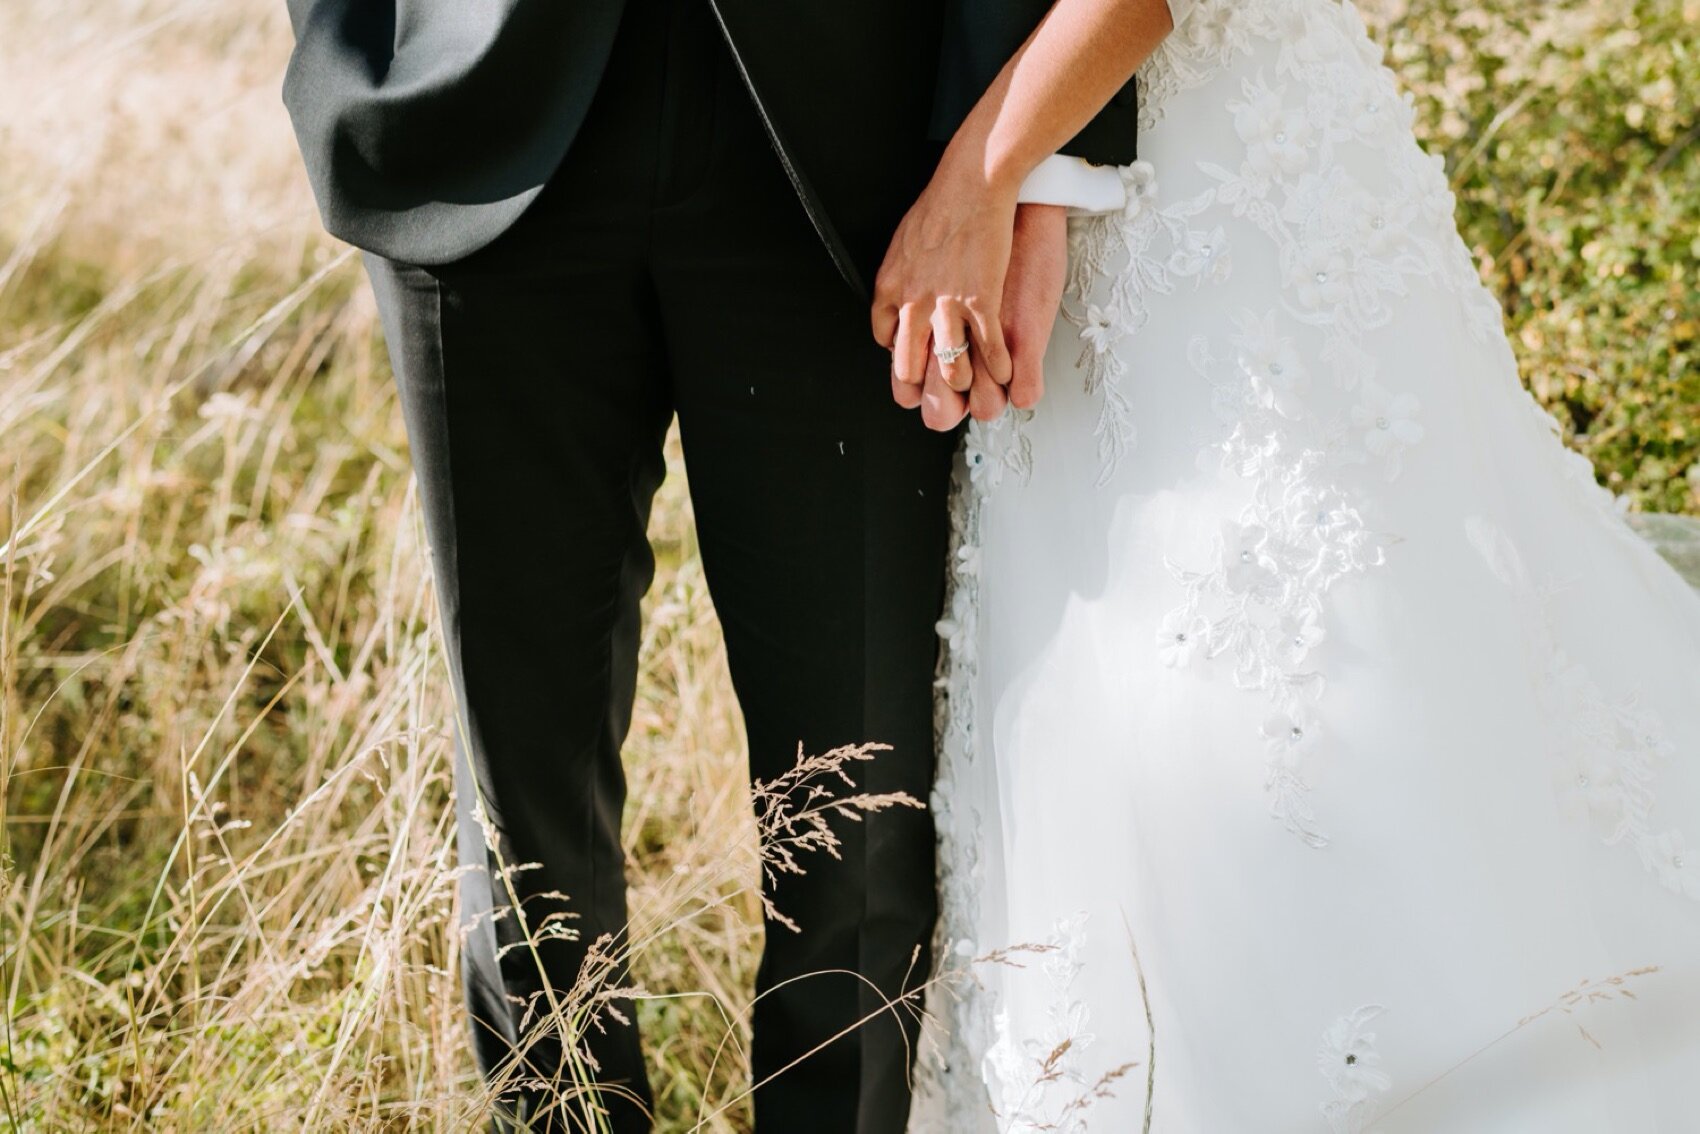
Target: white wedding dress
x,y
1321,759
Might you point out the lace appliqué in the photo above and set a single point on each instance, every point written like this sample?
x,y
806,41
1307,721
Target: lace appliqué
x,y
1610,748
1304,410
949,1089
979,1068
1037,1082
1117,263
1348,1059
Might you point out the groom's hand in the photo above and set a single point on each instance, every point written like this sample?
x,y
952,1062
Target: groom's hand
x,y
1038,269
941,287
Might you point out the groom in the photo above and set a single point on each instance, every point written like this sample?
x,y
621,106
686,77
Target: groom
x,y
582,218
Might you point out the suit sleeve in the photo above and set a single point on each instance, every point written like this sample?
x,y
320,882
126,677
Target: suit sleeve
x,y
979,38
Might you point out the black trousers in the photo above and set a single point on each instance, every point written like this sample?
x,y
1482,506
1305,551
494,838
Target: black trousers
x,y
669,269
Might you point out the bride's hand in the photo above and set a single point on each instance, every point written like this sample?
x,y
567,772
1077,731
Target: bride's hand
x,y
1032,293
943,277
940,287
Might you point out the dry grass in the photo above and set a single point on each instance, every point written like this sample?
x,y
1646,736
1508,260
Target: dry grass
x,y
228,890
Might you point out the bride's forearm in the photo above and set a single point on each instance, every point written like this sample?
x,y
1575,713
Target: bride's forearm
x,y
948,268
1078,57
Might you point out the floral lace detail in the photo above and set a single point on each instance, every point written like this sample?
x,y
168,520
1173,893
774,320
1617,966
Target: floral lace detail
x,y
978,1049
1038,1086
1205,41
1297,391
1348,1059
949,1087
1347,251
1146,250
1260,602
1610,748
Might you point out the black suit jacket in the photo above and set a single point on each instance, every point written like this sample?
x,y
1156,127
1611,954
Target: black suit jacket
x,y
428,126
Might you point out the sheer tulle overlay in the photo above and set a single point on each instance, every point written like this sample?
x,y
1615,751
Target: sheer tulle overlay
x,y
1322,757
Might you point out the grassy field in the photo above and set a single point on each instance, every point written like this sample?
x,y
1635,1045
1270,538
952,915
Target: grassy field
x,y
227,899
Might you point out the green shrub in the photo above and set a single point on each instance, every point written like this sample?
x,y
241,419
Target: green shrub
x,y
1572,132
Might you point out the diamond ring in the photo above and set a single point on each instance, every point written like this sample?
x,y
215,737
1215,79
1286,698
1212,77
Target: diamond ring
x,y
948,355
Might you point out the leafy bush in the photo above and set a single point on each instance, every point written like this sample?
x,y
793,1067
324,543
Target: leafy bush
x,y
1572,132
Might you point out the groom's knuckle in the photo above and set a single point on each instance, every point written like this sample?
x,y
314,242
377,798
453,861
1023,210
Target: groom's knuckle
x,y
1028,393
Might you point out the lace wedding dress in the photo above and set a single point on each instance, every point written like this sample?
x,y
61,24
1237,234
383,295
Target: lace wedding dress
x,y
1323,758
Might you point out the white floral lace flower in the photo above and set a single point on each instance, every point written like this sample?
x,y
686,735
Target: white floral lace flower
x,y
1321,513
1140,182
1209,28
1289,735
1302,43
1277,139
984,458
1179,637
957,629
1298,636
1373,113
1279,376
1638,729
1389,422
1246,563
1348,1058
1379,225
1672,863
938,803
1321,207
1201,254
1102,328
968,560
1591,786
1320,277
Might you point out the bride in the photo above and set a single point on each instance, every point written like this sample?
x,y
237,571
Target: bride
x,y
1321,751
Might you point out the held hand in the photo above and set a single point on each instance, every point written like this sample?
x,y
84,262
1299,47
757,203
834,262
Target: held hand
x,y
1032,293
940,288
1038,269
943,408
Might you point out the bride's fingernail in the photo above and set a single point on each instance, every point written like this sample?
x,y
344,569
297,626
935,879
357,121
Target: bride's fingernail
x,y
932,402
